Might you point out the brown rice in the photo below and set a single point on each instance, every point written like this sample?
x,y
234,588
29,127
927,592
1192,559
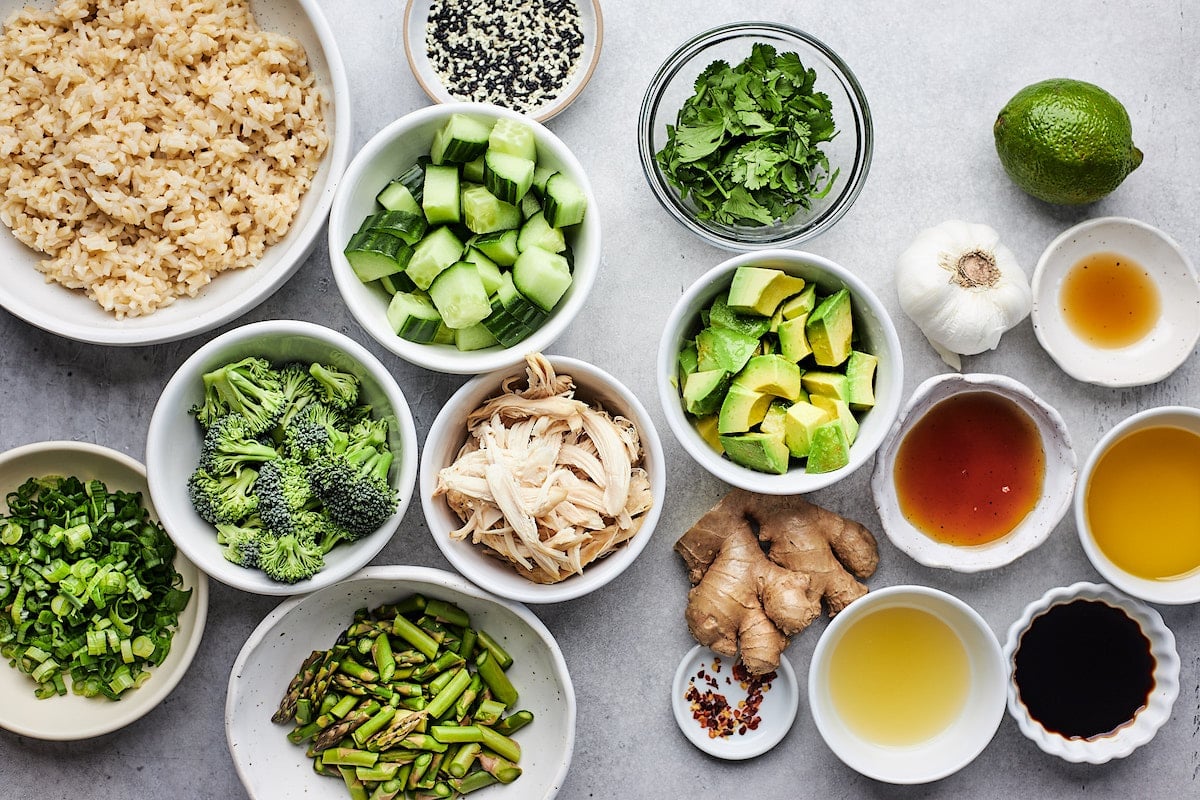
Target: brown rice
x,y
146,145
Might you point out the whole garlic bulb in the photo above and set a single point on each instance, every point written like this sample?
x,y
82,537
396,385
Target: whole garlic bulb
x,y
962,288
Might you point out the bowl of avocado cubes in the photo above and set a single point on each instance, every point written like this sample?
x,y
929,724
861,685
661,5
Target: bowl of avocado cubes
x,y
463,236
780,372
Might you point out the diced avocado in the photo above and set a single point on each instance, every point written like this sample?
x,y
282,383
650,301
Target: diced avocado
x,y
771,374
760,290
801,305
798,425
721,315
860,375
721,348
742,409
829,328
774,420
704,391
828,384
687,361
707,428
839,410
793,342
830,448
757,450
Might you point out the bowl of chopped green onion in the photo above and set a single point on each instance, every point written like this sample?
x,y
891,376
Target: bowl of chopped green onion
x,y
282,456
398,682
755,135
96,603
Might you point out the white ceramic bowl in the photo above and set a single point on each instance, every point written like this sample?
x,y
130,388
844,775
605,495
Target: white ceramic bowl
x,y
272,767
875,334
26,294
1181,590
1151,358
73,716
174,439
449,432
387,155
776,714
1145,725
591,26
1058,485
954,747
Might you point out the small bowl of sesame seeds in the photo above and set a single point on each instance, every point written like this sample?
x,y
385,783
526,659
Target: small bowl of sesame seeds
x,y
729,713
531,56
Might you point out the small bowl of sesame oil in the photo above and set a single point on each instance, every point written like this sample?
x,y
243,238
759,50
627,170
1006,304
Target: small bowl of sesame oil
x,y
1116,302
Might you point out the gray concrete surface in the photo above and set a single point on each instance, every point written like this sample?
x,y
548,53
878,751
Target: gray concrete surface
x,y
935,74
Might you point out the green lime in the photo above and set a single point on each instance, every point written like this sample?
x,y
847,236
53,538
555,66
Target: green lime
x,y
1066,141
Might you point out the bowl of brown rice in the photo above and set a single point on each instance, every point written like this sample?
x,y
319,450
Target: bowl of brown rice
x,y
165,166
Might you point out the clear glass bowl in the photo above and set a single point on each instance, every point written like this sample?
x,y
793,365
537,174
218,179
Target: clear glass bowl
x,y
849,151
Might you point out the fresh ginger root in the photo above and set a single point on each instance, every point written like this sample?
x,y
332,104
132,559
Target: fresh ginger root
x,y
745,599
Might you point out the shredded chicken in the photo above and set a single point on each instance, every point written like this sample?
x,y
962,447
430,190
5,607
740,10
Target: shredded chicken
x,y
545,481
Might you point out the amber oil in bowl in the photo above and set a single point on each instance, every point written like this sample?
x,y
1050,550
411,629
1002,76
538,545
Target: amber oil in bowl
x,y
1109,300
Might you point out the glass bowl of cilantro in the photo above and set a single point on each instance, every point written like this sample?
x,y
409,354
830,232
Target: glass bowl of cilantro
x,y
755,135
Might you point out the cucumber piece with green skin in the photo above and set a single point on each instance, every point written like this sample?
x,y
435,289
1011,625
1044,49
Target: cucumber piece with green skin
x,y
413,179
413,317
373,255
407,227
439,249
530,205
476,337
541,176
440,202
473,170
461,138
565,203
398,282
542,276
537,232
397,197
513,137
507,176
489,271
500,246
513,316
459,296
483,212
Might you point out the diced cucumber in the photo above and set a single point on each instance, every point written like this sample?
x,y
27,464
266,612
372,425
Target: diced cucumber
x,y
530,205
542,276
489,271
405,226
373,255
396,197
513,316
513,137
475,337
440,202
444,335
507,176
413,179
462,138
565,203
536,232
459,296
399,282
541,176
483,212
500,247
439,249
413,317
473,170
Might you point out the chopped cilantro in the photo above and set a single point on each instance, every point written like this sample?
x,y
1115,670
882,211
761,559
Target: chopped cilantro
x,y
746,146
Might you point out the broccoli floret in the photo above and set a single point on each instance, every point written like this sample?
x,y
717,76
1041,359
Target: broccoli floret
x,y
321,528
243,543
368,433
222,499
299,389
338,389
315,433
354,488
249,388
290,558
283,490
229,445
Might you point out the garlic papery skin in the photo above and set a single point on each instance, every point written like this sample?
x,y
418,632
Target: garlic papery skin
x,y
962,288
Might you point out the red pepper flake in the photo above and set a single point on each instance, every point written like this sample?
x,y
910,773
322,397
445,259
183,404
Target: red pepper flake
x,y
713,711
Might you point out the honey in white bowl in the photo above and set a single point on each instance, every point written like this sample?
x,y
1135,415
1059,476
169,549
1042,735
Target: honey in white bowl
x,y
1109,300
1143,503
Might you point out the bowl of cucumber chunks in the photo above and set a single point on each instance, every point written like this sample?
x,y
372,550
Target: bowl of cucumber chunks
x,y
780,372
463,236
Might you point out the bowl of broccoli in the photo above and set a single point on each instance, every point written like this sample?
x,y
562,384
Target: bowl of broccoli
x,y
282,456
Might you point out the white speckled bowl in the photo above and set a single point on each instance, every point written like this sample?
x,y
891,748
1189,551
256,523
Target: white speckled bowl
x,y
1147,360
272,767
1175,591
1037,525
1146,722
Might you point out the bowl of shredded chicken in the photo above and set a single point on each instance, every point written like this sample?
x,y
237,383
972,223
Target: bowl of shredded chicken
x,y
543,481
